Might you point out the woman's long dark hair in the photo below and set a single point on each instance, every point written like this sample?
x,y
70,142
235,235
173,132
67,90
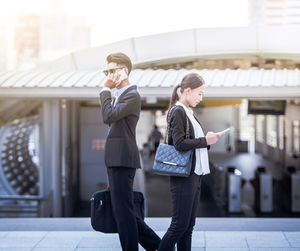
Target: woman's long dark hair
x,y
191,80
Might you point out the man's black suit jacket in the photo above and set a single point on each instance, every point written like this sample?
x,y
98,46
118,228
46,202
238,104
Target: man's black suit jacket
x,y
120,148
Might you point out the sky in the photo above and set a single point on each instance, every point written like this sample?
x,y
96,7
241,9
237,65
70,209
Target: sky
x,y
116,20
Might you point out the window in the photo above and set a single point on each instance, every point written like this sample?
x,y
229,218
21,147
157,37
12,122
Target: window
x,y
271,131
260,119
281,133
296,136
246,122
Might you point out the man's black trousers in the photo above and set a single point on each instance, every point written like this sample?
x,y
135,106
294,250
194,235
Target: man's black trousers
x,y
131,228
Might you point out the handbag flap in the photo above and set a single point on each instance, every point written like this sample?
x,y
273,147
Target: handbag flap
x,y
169,155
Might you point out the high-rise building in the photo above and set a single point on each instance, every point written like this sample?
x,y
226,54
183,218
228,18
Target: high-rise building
x,y
281,12
63,34
274,12
7,43
2,48
27,40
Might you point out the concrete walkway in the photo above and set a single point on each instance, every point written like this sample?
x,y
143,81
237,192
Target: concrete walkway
x,y
211,234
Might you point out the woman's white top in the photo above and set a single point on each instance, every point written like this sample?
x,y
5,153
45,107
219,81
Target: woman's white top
x,y
202,163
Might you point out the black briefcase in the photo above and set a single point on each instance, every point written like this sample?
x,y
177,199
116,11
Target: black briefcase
x,y
102,218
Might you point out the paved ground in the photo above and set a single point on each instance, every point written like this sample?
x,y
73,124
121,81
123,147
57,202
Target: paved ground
x,y
202,240
211,234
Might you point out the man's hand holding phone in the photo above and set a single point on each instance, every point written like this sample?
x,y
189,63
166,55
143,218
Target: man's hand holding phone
x,y
112,80
115,79
122,76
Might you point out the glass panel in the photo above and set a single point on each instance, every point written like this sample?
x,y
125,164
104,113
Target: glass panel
x,y
271,131
281,133
260,128
246,122
296,136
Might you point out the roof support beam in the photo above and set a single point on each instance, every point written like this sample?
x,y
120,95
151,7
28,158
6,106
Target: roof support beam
x,y
84,93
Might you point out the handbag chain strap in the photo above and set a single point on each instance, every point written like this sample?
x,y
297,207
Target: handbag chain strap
x,y
187,131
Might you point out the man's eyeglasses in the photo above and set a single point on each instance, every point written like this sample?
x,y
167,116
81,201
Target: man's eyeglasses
x,y
112,71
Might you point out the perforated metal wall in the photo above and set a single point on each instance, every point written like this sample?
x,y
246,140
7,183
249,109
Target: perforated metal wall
x,y
19,165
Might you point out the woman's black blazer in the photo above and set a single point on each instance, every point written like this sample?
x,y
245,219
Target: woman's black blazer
x,y
177,131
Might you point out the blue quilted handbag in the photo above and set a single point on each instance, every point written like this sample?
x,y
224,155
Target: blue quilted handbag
x,y
168,161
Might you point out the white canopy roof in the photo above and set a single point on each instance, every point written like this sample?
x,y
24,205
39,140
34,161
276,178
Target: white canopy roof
x,y
221,84
265,41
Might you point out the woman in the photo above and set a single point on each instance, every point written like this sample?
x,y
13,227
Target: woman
x,y
186,190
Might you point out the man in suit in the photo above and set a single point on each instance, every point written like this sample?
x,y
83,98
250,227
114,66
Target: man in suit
x,y
121,152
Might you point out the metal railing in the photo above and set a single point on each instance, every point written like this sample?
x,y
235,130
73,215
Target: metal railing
x,y
22,205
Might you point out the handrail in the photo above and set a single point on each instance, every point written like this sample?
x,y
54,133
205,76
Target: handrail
x,y
26,208
21,197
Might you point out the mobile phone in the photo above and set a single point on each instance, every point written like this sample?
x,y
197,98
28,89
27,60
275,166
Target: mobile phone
x,y
227,130
122,74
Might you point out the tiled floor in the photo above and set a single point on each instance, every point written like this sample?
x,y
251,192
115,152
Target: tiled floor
x,y
202,240
211,234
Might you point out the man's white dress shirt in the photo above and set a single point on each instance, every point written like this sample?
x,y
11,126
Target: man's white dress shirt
x,y
117,93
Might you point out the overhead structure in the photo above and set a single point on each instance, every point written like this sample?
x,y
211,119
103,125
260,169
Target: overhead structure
x,y
221,84
179,46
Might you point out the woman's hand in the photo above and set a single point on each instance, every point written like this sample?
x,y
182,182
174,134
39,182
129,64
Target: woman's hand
x,y
212,138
